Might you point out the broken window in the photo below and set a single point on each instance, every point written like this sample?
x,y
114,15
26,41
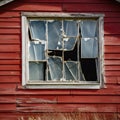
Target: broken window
x,y
62,50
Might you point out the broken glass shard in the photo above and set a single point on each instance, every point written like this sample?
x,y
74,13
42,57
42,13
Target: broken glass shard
x,y
88,28
37,29
31,51
71,70
37,51
55,53
49,76
89,48
70,28
55,67
69,43
54,35
36,71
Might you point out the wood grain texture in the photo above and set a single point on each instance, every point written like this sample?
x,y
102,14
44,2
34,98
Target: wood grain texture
x,y
9,37
113,67
112,62
7,107
112,73
10,72
58,115
112,39
7,86
68,1
112,28
89,99
9,24
90,7
9,79
111,56
10,62
34,7
9,14
67,108
112,49
15,100
9,48
109,89
10,67
9,31
8,56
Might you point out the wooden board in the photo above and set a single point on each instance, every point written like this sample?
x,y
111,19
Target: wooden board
x,y
91,7
112,49
7,56
10,72
111,56
9,79
9,48
10,62
68,1
66,108
112,39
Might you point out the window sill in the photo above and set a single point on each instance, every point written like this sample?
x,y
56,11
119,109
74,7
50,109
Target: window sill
x,y
56,85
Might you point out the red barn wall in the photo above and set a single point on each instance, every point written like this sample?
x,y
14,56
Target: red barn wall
x,y
14,100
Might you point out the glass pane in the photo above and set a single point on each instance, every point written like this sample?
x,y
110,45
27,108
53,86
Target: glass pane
x,y
69,43
71,70
70,28
89,48
31,51
37,29
55,67
54,35
37,51
88,28
49,76
36,71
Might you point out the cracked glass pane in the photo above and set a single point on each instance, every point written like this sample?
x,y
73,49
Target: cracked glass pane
x,y
89,42
37,51
37,29
54,35
36,71
70,28
69,43
88,28
71,70
89,48
49,77
55,67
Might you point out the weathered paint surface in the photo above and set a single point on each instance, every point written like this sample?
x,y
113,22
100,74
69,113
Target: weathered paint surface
x,y
16,101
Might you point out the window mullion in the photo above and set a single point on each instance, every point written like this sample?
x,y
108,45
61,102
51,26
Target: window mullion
x,y
46,50
63,62
78,49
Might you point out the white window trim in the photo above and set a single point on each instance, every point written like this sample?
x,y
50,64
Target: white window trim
x,y
50,85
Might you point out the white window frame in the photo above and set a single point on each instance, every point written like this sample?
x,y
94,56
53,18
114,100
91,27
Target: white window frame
x,y
65,85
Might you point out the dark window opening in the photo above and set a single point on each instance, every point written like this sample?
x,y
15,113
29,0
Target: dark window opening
x,y
89,69
55,53
72,54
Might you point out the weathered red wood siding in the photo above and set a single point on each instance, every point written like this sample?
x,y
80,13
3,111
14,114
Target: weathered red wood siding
x,y
14,100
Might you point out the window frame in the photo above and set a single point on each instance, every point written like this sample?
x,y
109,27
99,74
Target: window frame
x,y
61,85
